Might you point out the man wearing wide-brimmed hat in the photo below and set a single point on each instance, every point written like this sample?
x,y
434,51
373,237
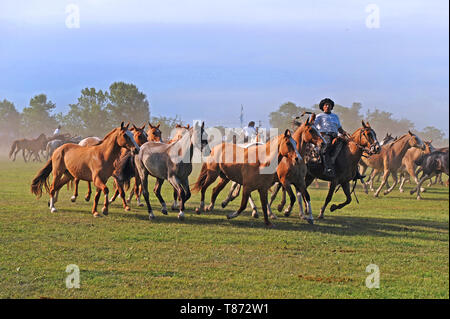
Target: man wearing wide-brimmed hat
x,y
330,127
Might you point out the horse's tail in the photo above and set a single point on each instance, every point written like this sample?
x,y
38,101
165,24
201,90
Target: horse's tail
x,y
41,179
125,170
13,148
201,180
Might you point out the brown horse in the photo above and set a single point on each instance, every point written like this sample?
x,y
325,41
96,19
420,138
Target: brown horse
x,y
140,137
408,167
154,133
254,168
362,140
389,160
90,163
34,146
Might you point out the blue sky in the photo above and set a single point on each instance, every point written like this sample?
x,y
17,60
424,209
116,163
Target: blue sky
x,y
203,59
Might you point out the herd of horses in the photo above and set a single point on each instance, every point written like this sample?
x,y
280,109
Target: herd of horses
x,y
281,162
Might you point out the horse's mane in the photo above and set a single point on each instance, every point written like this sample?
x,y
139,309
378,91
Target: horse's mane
x,y
106,136
398,139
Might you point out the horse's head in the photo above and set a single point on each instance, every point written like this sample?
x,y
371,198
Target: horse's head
x,y
367,138
154,133
287,146
415,141
126,139
139,134
199,138
308,133
386,139
428,147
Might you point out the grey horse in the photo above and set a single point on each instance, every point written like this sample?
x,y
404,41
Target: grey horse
x,y
172,162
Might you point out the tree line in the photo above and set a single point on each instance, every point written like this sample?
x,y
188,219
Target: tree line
x,y
95,113
350,117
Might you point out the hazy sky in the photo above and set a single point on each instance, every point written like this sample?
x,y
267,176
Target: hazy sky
x,y
203,59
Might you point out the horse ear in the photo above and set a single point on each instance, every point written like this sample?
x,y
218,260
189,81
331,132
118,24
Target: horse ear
x,y
203,125
312,118
287,133
134,127
128,124
367,123
178,126
409,132
143,126
363,124
188,126
159,123
121,125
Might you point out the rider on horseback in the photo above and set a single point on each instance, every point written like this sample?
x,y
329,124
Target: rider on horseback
x,y
329,126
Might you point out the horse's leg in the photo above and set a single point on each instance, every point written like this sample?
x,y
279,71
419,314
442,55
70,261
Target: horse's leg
x,y
283,200
385,177
75,194
157,190
216,190
137,189
144,183
59,180
23,154
422,179
210,178
331,189
96,198
122,195
175,204
263,198
254,209
277,186
88,195
307,199
116,191
102,186
244,201
403,177
176,183
293,199
346,188
230,196
394,176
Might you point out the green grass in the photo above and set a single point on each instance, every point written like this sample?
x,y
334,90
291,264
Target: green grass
x,y
125,255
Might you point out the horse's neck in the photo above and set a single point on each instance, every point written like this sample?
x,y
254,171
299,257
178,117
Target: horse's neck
x,y
298,138
182,146
264,157
109,148
400,147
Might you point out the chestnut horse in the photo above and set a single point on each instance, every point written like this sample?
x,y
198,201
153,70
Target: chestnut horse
x,y
34,146
362,140
90,163
389,160
254,168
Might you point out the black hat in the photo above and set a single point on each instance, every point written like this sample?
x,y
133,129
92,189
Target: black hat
x,y
326,101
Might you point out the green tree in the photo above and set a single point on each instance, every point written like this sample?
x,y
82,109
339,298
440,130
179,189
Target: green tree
x,y
286,113
434,134
127,103
37,117
89,116
10,119
382,122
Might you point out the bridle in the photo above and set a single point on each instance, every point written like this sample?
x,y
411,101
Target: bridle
x,y
371,149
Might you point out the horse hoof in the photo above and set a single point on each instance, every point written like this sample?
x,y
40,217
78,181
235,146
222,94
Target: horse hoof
x,y
287,213
151,216
53,210
127,208
385,192
333,208
273,216
96,214
232,215
419,198
224,204
411,192
320,216
255,214
280,208
181,216
198,210
141,205
310,221
87,199
73,199
174,208
270,225
164,211
423,190
105,211
401,190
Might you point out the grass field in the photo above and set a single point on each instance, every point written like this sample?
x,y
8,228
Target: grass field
x,y
125,255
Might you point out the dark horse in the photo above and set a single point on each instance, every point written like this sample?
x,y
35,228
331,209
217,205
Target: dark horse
x,y
362,140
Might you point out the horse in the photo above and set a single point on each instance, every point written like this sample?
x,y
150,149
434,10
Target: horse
x,y
154,133
34,146
172,162
289,172
254,168
141,137
53,144
408,167
364,139
438,178
90,163
432,164
390,158
89,141
363,165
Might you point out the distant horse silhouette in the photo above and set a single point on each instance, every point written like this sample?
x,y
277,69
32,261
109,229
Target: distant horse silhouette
x,y
34,146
